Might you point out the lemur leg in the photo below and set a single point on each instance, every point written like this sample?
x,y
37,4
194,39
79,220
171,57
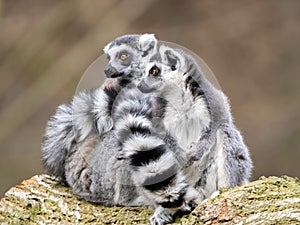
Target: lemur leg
x,y
234,165
228,163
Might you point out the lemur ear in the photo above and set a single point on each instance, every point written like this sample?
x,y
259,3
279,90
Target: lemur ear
x,y
170,56
147,43
105,49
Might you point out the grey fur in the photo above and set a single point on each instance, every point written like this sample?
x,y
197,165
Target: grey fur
x,y
79,145
58,139
155,157
84,138
222,159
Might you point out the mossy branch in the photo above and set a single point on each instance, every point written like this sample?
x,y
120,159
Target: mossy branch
x,y
42,200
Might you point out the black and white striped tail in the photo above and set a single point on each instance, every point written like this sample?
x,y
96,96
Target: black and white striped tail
x,y
58,139
155,167
87,114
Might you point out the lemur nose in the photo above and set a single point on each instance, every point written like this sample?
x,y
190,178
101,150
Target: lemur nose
x,y
110,71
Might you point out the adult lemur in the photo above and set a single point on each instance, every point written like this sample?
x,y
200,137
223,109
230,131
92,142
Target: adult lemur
x,y
80,146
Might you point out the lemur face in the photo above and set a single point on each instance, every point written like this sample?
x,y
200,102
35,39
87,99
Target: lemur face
x,y
128,55
166,68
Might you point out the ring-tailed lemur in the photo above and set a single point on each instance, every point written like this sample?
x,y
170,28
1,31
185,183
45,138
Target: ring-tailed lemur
x,y
198,116
76,147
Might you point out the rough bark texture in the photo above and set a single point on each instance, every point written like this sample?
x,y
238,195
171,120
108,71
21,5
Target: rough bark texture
x,y
41,200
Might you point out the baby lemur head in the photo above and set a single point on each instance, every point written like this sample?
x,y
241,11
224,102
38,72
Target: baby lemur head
x,y
129,54
168,67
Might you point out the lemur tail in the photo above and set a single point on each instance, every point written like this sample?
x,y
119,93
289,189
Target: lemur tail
x,y
71,123
58,139
155,167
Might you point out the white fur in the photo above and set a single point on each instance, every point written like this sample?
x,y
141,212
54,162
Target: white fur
x,y
156,167
83,122
222,175
128,119
136,143
186,120
184,117
145,39
105,49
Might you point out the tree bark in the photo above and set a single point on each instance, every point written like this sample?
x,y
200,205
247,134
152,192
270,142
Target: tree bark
x,y
42,200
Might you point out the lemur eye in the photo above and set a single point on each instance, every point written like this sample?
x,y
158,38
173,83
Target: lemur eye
x,y
154,71
123,57
173,67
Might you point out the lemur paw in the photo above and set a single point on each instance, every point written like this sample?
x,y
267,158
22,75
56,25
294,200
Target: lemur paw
x,y
192,154
104,124
161,216
196,151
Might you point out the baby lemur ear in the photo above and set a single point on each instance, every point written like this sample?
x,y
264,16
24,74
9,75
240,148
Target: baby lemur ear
x,y
147,43
170,56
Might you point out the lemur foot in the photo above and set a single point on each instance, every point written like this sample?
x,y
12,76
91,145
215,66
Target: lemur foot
x,y
161,216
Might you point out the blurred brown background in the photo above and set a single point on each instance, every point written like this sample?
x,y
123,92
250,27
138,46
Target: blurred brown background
x,y
253,47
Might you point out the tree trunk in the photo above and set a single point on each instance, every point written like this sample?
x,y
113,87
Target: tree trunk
x,y
41,200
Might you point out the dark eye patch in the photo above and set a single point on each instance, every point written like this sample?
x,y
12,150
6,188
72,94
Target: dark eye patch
x,y
154,71
125,57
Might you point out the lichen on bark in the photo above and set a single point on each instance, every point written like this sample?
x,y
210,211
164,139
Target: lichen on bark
x,y
270,200
42,200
